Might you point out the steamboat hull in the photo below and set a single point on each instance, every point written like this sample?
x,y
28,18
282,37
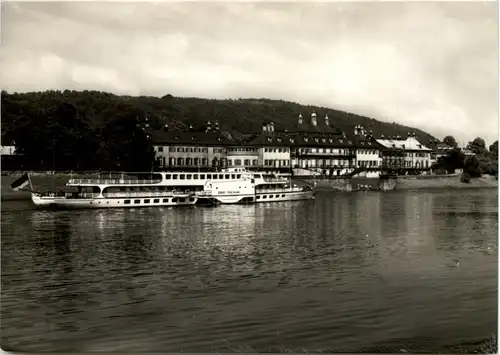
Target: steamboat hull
x,y
287,196
261,197
64,203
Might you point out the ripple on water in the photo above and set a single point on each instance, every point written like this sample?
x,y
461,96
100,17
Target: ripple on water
x,y
342,272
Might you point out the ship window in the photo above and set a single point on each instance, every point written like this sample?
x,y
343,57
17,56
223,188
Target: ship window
x,y
156,200
227,176
191,199
165,200
127,202
195,176
182,200
265,196
277,196
238,176
174,200
282,195
168,176
147,201
174,176
258,197
214,176
233,176
221,176
137,201
182,176
202,176
189,176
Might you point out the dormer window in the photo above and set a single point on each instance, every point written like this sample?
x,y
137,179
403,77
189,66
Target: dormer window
x,y
269,139
341,141
193,138
292,140
279,140
419,145
219,139
306,139
316,139
330,140
177,137
349,142
369,143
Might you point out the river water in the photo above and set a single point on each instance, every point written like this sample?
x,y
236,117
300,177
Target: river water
x,y
343,272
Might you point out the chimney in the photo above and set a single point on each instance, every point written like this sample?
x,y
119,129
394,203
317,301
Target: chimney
x,y
313,119
165,128
327,120
301,119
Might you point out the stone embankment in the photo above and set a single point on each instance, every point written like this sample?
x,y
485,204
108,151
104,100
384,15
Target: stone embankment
x,y
397,183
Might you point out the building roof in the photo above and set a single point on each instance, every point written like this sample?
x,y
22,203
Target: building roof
x,y
216,138
409,143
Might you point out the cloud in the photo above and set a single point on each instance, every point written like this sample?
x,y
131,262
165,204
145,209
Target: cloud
x,y
433,65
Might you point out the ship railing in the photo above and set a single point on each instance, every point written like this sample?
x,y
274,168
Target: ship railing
x,y
289,189
133,194
203,193
275,180
113,181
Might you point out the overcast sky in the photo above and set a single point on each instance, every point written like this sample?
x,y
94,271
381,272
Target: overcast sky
x,y
432,65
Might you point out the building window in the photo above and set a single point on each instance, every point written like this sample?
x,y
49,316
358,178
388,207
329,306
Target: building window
x,y
188,161
180,161
196,161
255,162
204,161
247,162
237,162
160,149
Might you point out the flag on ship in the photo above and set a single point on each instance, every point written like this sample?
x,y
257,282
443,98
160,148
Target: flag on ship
x,y
20,183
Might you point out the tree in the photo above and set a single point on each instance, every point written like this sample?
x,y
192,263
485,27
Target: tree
x,y
452,161
477,146
494,149
450,141
471,167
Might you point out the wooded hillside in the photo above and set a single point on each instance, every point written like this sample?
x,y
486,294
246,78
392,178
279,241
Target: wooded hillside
x,y
97,129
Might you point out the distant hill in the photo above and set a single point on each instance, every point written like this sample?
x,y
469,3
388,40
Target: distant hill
x,y
237,116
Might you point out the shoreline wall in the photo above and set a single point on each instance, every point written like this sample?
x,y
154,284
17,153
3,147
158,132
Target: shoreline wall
x,y
398,183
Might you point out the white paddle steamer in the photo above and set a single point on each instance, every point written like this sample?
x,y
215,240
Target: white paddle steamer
x,y
228,186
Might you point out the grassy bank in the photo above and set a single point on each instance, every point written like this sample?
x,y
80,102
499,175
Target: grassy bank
x,y
443,181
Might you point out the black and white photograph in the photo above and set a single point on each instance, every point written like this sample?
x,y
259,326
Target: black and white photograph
x,y
249,176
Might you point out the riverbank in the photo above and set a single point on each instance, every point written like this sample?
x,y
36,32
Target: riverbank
x,y
451,181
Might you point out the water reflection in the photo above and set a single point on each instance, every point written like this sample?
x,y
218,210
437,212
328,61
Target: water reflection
x,y
343,270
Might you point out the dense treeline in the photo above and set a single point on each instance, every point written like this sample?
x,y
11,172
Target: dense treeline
x,y
96,130
485,160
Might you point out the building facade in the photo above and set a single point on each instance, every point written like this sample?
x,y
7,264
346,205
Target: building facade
x,y
312,145
406,153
